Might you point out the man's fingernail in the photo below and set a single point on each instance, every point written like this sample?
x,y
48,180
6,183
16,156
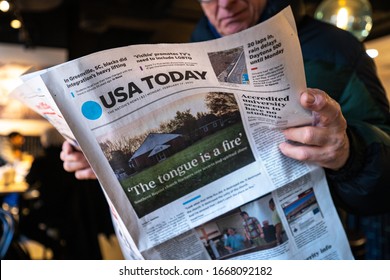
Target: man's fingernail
x,y
310,99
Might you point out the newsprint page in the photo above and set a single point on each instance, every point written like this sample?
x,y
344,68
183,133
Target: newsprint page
x,y
184,141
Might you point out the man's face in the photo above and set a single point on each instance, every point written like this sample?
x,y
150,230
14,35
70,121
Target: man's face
x,y
17,141
232,16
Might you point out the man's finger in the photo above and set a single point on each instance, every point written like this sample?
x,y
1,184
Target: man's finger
x,y
326,110
85,174
308,135
311,154
330,156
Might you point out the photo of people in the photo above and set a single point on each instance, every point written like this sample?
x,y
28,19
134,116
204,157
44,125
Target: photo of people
x,y
248,229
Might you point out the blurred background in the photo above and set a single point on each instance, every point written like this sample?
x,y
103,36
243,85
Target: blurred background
x,y
36,34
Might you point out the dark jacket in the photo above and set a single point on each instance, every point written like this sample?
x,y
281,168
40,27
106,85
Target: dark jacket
x,y
336,62
75,208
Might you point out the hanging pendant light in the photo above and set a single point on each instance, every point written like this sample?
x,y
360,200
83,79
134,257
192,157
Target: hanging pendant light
x,y
4,6
354,16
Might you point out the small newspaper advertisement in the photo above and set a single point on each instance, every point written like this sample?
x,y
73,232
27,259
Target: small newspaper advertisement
x,y
184,141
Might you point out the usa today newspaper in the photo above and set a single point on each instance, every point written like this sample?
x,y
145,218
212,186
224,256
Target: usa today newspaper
x,y
184,141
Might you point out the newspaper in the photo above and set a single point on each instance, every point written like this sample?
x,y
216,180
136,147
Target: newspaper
x,y
184,138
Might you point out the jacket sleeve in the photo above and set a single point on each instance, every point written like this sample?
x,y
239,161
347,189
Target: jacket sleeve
x,y
362,186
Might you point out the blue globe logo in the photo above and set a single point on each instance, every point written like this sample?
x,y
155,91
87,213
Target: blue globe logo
x,y
91,110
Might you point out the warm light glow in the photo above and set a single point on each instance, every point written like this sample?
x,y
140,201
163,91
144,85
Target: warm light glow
x,y
372,53
9,79
354,16
4,6
16,24
342,18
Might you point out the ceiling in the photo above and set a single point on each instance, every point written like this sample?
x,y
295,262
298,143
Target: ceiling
x,y
86,26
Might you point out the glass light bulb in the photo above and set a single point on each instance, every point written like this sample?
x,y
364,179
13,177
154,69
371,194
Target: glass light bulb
x,y
16,24
354,16
4,6
372,53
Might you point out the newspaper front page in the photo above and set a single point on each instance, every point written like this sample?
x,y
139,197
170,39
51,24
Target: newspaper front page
x,y
184,141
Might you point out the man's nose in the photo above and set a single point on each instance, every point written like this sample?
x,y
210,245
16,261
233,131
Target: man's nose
x,y
226,3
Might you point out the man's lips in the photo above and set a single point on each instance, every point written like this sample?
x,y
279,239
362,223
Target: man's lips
x,y
232,17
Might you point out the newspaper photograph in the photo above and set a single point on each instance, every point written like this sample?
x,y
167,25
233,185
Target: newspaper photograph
x,y
184,141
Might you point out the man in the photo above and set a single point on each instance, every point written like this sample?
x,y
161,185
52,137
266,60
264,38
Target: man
x,y
11,153
234,241
350,134
276,222
11,147
269,231
253,229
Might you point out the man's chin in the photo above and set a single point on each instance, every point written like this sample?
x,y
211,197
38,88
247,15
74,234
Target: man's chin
x,y
232,29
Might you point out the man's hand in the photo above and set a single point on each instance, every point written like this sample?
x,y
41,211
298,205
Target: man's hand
x,y
75,161
325,142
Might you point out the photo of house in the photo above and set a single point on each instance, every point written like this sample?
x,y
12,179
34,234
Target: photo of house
x,y
178,149
156,147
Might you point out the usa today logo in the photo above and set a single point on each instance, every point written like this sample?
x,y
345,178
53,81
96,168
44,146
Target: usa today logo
x,y
91,110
